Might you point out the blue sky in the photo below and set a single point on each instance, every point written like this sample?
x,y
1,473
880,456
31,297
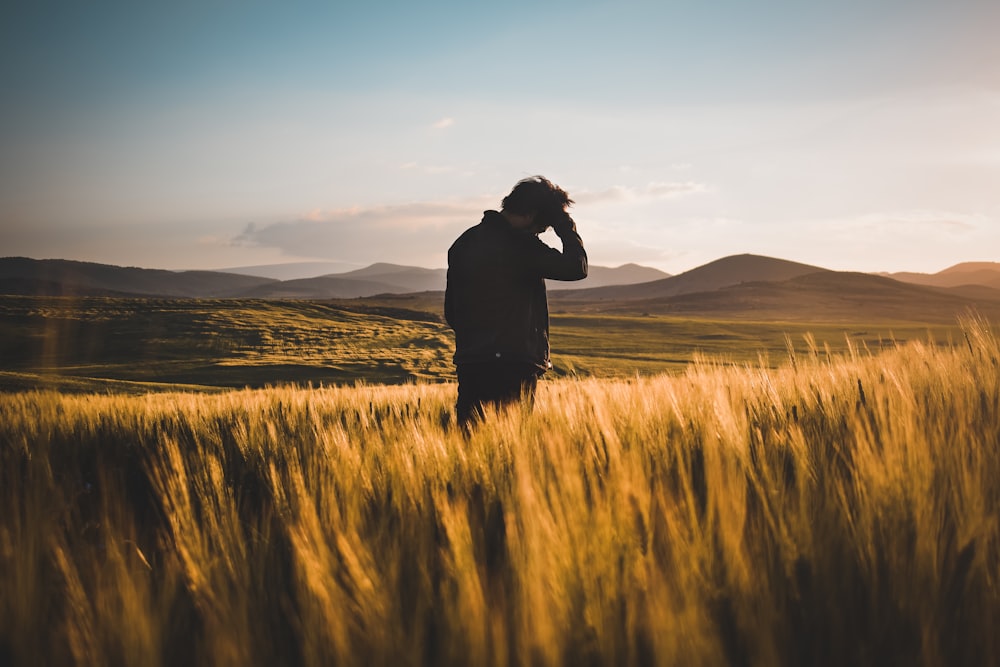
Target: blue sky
x,y
853,135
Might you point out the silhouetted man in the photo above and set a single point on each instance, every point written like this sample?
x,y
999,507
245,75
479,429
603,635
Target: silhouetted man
x,y
495,298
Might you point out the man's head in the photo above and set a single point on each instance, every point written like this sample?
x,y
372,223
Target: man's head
x,y
537,200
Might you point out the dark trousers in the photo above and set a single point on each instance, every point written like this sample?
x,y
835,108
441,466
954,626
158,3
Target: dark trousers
x,y
494,385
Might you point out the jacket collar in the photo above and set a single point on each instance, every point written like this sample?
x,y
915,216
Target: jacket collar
x,y
495,218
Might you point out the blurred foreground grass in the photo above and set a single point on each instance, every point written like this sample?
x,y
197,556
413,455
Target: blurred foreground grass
x,y
839,510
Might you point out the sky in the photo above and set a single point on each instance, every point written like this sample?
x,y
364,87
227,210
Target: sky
x,y
858,135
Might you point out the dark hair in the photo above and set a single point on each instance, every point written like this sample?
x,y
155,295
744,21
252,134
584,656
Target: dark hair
x,y
536,195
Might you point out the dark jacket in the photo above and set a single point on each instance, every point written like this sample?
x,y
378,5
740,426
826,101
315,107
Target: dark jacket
x,y
495,298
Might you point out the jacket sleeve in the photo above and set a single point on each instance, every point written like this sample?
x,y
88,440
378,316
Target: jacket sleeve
x,y
570,264
450,316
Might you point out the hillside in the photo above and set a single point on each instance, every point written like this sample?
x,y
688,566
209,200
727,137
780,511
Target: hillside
x,y
216,342
971,282
824,296
142,345
400,279
602,276
291,270
323,287
721,273
385,278
61,277
966,273
56,277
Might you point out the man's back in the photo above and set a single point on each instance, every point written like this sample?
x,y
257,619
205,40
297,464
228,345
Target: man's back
x,y
495,298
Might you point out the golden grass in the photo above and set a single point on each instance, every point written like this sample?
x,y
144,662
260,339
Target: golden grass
x,y
838,510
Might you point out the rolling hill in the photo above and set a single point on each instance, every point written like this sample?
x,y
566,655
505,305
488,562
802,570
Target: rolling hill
x,y
384,278
823,296
56,277
966,273
724,272
322,287
602,276
61,277
401,278
379,278
291,270
739,286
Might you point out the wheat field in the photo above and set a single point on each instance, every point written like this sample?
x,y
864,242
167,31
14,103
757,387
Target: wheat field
x,y
841,509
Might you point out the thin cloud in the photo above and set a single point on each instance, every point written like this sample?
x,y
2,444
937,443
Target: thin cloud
x,y
648,192
420,232
444,123
411,232
912,222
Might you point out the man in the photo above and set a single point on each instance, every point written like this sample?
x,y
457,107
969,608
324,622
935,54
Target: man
x,y
495,298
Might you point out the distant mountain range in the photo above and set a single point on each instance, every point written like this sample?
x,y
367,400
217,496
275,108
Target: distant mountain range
x,y
751,286
291,270
826,296
715,275
378,278
58,277
966,273
61,277
739,286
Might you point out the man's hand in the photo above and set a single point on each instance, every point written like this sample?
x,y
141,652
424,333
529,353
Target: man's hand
x,y
562,223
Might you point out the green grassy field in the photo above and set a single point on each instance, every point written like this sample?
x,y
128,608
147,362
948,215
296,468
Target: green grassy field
x,y
624,345
834,510
140,345
81,343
